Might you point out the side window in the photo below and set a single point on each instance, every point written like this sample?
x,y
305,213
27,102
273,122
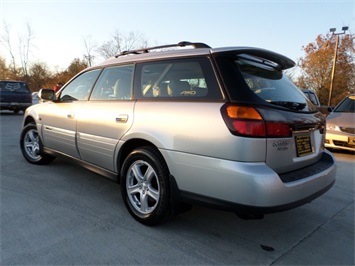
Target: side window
x,y
115,83
79,88
178,79
313,99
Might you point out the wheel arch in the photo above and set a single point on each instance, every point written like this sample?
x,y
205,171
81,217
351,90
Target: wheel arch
x,y
29,120
133,144
128,147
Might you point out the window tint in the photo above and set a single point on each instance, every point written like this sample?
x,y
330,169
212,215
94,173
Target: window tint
x,y
178,79
271,85
249,78
14,87
115,83
79,88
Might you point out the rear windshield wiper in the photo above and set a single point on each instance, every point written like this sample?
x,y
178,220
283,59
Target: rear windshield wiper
x,y
290,105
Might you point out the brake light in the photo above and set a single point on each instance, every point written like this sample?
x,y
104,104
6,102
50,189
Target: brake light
x,y
278,130
247,121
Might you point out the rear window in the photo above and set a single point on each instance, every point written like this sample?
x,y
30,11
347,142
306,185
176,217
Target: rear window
x,y
271,85
265,80
20,87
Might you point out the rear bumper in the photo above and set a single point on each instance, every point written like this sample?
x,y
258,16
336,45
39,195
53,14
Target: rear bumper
x,y
248,209
249,187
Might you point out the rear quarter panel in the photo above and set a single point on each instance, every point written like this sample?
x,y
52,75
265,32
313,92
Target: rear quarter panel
x,y
188,127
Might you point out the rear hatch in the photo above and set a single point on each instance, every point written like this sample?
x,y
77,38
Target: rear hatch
x,y
14,92
265,104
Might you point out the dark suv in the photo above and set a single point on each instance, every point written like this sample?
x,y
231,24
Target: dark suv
x,y
219,126
14,95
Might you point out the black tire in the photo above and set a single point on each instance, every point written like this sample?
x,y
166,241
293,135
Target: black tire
x,y
32,147
145,186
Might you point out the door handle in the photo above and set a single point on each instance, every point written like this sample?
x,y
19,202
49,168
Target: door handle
x,y
122,118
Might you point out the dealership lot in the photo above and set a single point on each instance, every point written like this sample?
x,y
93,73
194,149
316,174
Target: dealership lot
x,y
63,214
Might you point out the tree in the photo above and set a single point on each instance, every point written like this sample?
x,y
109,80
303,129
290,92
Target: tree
x,y
24,48
74,68
89,47
316,67
4,70
7,43
39,77
122,42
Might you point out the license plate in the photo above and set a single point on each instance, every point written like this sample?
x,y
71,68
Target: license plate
x,y
351,140
303,145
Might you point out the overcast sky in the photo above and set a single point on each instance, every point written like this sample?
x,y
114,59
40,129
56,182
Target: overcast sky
x,y
59,27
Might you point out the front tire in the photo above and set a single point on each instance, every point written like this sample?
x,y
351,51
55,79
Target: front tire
x,y
32,147
145,186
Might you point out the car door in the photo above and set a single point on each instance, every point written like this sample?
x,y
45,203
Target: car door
x,y
102,121
59,121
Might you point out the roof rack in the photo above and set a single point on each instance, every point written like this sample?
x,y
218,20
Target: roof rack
x,y
180,44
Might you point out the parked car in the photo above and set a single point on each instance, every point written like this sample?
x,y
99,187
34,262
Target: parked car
x,y
199,125
14,95
341,125
312,96
35,98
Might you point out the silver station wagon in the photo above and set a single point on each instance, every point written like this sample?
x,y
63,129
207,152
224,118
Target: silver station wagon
x,y
184,124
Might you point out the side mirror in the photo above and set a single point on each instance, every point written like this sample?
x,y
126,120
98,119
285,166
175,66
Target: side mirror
x,y
47,94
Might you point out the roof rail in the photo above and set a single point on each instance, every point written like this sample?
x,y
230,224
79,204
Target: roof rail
x,y
180,44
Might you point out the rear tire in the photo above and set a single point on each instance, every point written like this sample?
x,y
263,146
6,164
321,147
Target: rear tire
x,y
32,147
145,186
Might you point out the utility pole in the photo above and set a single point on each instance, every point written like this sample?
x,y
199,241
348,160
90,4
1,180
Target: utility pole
x,y
332,30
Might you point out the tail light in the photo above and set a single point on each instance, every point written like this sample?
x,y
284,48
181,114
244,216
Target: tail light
x,y
247,121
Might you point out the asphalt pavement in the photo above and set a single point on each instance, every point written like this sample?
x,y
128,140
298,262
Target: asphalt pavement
x,y
62,214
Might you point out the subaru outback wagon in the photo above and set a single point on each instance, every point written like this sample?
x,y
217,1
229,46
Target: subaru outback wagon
x,y
187,125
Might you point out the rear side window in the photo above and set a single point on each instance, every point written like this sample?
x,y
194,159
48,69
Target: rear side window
x,y
16,87
188,79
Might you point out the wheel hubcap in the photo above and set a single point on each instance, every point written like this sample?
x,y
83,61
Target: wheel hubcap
x,y
31,144
142,186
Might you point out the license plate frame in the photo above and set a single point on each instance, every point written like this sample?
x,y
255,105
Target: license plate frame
x,y
303,145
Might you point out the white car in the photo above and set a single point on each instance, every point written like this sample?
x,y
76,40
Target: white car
x,y
35,98
341,125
